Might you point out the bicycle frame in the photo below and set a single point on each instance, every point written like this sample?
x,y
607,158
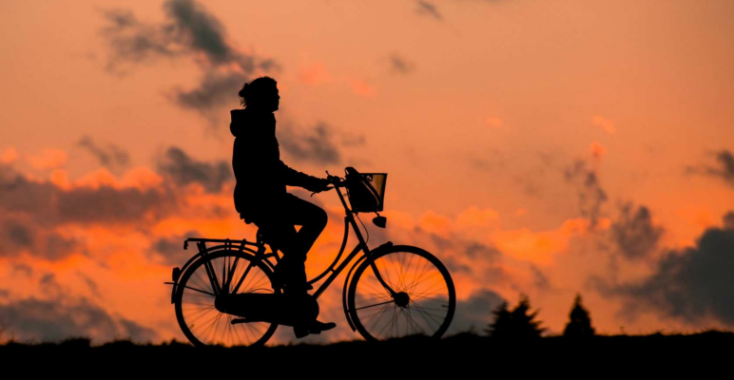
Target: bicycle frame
x,y
260,255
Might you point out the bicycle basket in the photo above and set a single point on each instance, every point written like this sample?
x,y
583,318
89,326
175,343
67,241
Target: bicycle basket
x,y
366,191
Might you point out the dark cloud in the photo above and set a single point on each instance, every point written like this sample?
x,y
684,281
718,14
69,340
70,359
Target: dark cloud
x,y
19,235
540,279
48,205
426,8
184,170
729,220
494,159
22,268
691,285
400,65
476,250
724,168
110,156
634,233
32,319
316,145
215,89
110,205
189,31
49,286
171,248
475,313
91,284
590,194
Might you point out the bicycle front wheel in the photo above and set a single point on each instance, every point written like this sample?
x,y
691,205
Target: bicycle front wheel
x,y
197,316
424,302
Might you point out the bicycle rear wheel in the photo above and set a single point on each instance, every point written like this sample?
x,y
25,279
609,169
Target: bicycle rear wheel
x,y
424,304
197,316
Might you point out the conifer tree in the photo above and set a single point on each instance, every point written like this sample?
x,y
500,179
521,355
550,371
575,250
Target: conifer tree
x,y
579,324
502,323
516,323
524,325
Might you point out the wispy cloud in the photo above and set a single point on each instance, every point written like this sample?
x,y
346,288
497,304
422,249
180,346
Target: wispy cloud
x,y
723,169
184,170
426,8
189,32
110,156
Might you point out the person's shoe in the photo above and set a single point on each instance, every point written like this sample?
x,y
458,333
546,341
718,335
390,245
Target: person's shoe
x,y
300,331
317,327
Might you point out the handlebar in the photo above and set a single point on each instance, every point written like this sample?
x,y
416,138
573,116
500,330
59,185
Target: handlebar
x,y
335,180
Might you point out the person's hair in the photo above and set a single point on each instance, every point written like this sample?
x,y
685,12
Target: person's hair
x,y
255,89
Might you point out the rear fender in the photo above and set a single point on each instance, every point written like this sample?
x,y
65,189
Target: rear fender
x,y
177,272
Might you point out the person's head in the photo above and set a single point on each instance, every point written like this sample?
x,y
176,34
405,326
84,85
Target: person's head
x,y
261,93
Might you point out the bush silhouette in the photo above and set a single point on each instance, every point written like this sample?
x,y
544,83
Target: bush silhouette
x,y
517,323
579,324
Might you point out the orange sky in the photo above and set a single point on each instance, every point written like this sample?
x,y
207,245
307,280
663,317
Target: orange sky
x,y
585,146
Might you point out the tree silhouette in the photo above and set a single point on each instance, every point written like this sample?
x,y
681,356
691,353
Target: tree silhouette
x,y
516,323
502,322
579,324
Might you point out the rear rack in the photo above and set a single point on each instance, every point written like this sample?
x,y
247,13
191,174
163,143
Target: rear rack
x,y
227,241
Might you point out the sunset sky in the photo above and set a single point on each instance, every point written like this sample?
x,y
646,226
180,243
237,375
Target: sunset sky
x,y
546,148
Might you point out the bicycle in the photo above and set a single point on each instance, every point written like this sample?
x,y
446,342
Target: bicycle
x,y
418,302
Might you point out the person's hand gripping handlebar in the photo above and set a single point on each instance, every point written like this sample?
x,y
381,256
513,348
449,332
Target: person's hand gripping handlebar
x,y
335,181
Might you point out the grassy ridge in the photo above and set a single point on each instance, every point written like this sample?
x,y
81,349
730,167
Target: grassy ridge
x,y
467,350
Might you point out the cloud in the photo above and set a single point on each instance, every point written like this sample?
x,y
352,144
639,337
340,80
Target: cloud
x,y
591,196
184,170
360,87
691,285
316,145
189,31
19,235
540,279
314,74
605,124
110,156
48,205
426,8
49,159
9,156
475,313
400,65
634,233
171,248
723,170
33,319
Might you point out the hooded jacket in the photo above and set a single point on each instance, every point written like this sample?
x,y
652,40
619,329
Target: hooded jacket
x,y
260,174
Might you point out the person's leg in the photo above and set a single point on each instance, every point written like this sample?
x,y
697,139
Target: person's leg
x,y
292,210
310,217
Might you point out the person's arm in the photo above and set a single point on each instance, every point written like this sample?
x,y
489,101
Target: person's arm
x,y
295,178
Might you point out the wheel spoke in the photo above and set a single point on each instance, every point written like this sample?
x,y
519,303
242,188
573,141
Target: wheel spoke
x,y
418,278
201,322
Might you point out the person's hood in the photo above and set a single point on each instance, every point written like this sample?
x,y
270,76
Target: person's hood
x,y
244,118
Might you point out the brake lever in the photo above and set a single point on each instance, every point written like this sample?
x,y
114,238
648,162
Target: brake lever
x,y
327,188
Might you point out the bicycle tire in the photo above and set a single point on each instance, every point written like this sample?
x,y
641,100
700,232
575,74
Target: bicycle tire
x,y
196,290
442,306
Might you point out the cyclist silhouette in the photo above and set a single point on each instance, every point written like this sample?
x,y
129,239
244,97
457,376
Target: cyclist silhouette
x,y
260,194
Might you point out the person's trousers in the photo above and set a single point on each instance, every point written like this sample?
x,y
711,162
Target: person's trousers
x,y
277,224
